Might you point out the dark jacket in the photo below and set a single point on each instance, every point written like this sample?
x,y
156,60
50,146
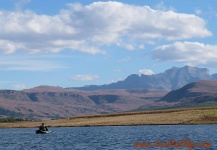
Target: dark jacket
x,y
43,128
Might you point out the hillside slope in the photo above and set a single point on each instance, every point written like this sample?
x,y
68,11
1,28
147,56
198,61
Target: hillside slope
x,y
195,92
55,102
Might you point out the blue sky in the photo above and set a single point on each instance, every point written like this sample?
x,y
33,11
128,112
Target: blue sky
x,y
75,43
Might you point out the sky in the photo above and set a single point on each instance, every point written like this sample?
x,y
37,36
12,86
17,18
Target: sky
x,y
77,43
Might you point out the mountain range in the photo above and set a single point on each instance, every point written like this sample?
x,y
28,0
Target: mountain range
x,y
47,102
174,87
171,79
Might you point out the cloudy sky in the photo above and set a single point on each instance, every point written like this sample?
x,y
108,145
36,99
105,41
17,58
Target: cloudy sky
x,y
75,43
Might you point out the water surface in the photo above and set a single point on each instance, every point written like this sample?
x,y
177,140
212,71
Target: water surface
x,y
107,138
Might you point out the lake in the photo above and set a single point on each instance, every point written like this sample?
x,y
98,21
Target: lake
x,y
161,137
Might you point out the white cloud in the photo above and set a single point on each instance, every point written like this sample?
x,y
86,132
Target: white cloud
x,y
145,71
85,77
19,86
162,6
20,3
198,11
22,63
192,53
5,82
88,28
125,59
115,80
117,70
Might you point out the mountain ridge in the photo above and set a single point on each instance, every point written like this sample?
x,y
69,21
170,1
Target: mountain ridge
x,y
47,102
171,79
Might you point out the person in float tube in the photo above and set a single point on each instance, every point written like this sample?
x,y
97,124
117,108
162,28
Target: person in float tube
x,y
43,127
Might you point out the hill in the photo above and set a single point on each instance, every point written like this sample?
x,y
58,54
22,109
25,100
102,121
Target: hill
x,y
194,93
47,102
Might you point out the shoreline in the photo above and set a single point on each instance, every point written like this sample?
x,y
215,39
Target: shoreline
x,y
36,127
187,116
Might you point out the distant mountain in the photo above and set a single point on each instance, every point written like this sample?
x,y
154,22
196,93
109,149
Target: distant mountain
x,y
134,93
195,92
171,79
47,102
214,76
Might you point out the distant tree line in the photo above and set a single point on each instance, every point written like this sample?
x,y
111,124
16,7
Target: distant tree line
x,y
2,120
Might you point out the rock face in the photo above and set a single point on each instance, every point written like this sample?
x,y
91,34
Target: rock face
x,y
46,102
195,92
171,79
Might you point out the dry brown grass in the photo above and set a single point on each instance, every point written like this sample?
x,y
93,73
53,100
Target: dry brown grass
x,y
174,116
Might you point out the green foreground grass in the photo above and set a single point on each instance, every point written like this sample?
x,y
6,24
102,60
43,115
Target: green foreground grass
x,y
205,115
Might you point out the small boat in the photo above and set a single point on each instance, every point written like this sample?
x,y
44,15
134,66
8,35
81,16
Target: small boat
x,y
42,132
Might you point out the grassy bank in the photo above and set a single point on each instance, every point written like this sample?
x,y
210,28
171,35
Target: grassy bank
x,y
206,115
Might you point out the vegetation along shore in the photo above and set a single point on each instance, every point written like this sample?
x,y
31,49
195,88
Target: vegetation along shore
x,y
205,115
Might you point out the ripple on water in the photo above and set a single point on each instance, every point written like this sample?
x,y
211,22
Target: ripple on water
x,y
99,138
